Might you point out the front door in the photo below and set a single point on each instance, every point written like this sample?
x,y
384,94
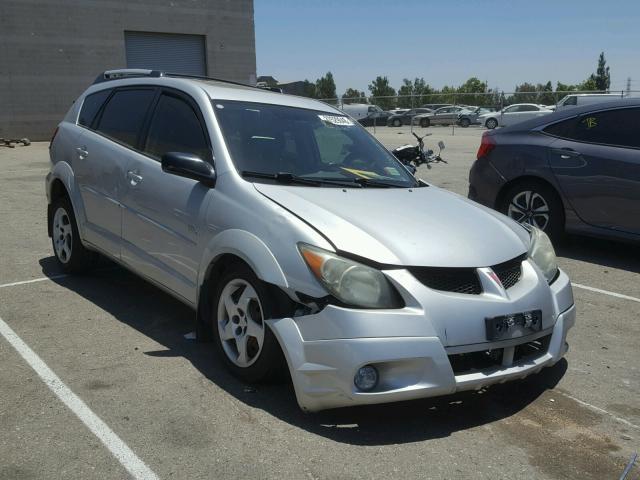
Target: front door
x,y
164,214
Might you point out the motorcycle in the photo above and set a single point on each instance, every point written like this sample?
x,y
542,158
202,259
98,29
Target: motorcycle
x,y
413,156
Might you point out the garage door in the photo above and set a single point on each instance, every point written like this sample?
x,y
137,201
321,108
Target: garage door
x,y
166,52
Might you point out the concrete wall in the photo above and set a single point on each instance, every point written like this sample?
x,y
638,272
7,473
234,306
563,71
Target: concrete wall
x,y
51,50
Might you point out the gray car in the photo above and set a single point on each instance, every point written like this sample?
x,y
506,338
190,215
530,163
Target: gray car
x,y
576,170
300,242
442,116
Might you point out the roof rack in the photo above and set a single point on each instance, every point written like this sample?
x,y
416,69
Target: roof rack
x,y
141,72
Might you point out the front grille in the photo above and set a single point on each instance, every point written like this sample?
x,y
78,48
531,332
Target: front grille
x,y
466,280
458,280
462,363
509,272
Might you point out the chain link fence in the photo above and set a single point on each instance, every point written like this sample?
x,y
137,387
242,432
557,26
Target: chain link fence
x,y
492,99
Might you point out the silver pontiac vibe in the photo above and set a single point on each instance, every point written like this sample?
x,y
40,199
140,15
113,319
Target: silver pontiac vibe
x,y
301,242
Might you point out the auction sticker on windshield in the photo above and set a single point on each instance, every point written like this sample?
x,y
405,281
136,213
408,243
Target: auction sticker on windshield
x,y
336,120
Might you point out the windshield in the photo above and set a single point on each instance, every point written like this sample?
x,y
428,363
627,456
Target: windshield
x,y
275,139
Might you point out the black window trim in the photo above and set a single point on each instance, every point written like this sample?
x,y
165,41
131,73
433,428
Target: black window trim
x,y
577,116
146,125
98,113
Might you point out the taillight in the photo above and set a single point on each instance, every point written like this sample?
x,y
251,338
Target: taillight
x,y
486,145
55,132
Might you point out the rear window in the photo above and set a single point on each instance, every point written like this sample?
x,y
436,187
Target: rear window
x,y
124,114
91,106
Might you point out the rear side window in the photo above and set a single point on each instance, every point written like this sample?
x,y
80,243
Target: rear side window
x,y
123,116
175,127
619,127
90,107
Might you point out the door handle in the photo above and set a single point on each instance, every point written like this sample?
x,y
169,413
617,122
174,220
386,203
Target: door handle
x,y
134,178
82,152
566,153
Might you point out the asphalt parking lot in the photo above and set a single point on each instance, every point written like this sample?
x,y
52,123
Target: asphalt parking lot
x,y
119,345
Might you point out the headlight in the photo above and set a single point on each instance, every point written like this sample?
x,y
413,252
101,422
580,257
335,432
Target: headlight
x,y
350,282
542,253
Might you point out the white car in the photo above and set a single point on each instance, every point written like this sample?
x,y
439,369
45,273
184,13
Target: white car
x,y
512,114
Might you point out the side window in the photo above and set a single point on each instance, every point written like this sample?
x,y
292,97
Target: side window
x,y
512,109
175,127
528,108
571,101
124,114
90,107
371,109
411,112
612,127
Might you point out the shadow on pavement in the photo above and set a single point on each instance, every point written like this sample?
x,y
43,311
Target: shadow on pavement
x,y
157,315
606,253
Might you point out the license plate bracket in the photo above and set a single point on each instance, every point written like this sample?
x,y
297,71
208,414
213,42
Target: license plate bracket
x,y
513,325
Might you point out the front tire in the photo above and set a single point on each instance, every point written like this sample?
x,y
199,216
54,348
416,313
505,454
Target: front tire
x,y
491,123
65,239
397,123
537,204
241,305
465,122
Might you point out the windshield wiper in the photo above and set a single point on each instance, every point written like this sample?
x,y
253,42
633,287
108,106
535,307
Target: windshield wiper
x,y
282,177
372,182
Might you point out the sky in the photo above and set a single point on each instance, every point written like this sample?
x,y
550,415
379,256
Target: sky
x,y
447,41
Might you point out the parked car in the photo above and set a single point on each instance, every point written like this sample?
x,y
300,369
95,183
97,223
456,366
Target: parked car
x,y
435,106
580,99
360,110
472,117
442,116
301,242
576,170
405,118
512,114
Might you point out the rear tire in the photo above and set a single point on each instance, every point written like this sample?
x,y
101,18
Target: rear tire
x,y
491,123
68,249
425,123
245,343
535,203
397,123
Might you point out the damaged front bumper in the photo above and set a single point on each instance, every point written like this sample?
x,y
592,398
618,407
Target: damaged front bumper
x,y
410,350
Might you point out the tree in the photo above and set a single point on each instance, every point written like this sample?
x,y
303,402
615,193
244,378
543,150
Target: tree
x,y
353,95
589,85
563,87
602,77
380,88
326,87
309,89
470,90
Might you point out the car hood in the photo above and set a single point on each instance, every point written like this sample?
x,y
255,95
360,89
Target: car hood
x,y
424,226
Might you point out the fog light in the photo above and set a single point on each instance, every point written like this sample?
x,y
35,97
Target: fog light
x,y
366,378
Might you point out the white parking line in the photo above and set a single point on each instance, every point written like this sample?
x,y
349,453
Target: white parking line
x,y
41,279
136,467
600,410
606,292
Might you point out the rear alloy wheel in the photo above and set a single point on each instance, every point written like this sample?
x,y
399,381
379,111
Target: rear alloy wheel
x,y
491,123
67,246
425,122
397,123
465,122
536,204
248,347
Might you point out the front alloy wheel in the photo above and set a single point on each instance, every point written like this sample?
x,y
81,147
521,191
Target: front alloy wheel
x,y
240,323
491,123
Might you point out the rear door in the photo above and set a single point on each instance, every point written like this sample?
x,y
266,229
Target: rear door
x,y
164,213
112,121
596,160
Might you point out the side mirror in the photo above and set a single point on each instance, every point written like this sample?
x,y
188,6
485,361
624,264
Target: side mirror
x,y
189,166
441,145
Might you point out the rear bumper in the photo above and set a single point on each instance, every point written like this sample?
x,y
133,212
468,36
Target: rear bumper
x,y
485,183
324,351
